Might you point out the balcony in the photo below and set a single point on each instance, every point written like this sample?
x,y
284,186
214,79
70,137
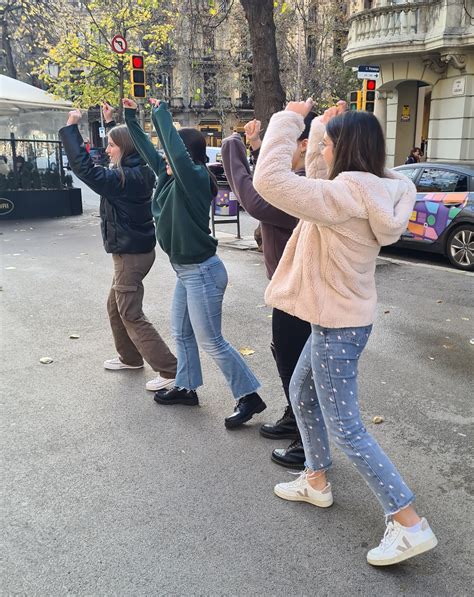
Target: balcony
x,y
404,29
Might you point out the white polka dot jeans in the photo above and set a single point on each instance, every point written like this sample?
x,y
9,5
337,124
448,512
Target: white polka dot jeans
x,y
323,393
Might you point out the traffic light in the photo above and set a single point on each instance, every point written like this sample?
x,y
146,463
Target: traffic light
x,y
355,99
368,95
137,75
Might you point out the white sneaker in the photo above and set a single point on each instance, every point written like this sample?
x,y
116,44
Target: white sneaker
x,y
399,544
301,491
116,363
158,383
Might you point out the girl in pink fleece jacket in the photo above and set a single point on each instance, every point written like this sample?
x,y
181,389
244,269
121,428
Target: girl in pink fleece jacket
x,y
348,208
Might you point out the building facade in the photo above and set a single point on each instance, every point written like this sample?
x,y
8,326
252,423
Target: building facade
x,y
425,50
206,71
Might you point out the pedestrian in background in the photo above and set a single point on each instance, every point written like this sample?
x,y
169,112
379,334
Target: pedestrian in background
x,y
129,235
289,333
4,169
181,207
349,207
415,156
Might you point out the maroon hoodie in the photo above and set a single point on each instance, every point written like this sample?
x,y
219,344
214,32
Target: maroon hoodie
x,y
277,226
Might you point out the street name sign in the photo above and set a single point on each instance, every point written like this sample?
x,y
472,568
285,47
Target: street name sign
x,y
368,72
119,44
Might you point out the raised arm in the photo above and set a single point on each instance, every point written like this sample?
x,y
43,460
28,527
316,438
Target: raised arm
x,y
315,166
142,142
101,180
186,172
327,202
238,174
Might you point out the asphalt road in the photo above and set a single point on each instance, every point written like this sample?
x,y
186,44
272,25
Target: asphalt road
x,y
107,493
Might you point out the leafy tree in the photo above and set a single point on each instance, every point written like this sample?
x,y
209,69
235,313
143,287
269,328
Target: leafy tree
x,y
88,71
311,53
28,29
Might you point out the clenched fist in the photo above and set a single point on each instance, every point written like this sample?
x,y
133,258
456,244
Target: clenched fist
x,y
252,130
74,117
302,108
108,112
334,111
129,103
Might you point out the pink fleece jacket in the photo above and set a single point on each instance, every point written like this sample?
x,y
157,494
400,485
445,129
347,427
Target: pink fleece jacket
x,y
327,272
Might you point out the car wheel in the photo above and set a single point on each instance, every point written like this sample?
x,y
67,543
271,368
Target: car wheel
x,y
460,247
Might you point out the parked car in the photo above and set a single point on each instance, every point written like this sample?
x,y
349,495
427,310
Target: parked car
x,y
442,220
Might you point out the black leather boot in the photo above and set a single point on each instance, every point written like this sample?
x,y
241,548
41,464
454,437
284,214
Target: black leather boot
x,y
245,409
292,457
177,396
284,428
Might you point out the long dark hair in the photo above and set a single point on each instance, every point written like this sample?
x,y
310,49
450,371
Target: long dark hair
x,y
359,144
196,145
120,135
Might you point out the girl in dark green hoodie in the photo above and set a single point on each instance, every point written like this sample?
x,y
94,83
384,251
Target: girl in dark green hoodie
x,y
181,206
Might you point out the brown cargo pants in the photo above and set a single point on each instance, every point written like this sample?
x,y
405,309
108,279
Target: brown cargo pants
x,y
135,337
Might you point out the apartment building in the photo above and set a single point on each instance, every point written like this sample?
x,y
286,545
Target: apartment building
x,y
425,50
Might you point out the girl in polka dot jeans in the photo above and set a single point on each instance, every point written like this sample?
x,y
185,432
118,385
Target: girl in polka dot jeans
x,y
349,206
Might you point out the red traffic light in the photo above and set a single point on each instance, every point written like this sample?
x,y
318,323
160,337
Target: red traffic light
x,y
138,62
371,84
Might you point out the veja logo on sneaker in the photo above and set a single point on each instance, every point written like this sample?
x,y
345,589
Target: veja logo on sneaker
x,y
303,493
405,547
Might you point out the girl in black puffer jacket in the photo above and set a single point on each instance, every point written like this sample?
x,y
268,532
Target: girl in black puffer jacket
x,y
128,233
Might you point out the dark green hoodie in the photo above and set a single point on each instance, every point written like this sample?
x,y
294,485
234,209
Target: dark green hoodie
x,y
181,202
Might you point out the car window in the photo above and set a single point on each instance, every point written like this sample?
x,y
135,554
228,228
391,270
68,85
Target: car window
x,y
435,180
410,172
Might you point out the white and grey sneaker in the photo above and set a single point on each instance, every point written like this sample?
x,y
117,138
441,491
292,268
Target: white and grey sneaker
x,y
301,491
398,544
159,383
115,364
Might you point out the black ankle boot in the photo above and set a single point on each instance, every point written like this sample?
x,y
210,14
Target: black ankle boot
x,y
177,396
292,457
245,409
284,428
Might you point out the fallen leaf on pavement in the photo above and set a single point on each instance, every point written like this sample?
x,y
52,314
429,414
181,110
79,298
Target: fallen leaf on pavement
x,y
246,352
387,311
74,337
46,360
377,420
439,301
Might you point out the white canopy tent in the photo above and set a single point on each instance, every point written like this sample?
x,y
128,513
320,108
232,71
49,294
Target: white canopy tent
x,y
28,111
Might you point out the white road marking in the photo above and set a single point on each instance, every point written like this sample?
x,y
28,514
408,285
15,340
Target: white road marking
x,y
427,265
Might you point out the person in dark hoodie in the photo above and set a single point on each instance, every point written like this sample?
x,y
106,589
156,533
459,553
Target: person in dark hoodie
x,y
289,334
128,234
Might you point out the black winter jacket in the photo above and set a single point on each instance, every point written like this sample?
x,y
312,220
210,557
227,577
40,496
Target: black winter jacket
x,y
125,211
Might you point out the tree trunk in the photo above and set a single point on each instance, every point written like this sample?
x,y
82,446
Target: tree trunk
x,y
269,96
7,48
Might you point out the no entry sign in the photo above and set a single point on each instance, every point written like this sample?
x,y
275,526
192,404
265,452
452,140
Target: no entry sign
x,y
119,44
